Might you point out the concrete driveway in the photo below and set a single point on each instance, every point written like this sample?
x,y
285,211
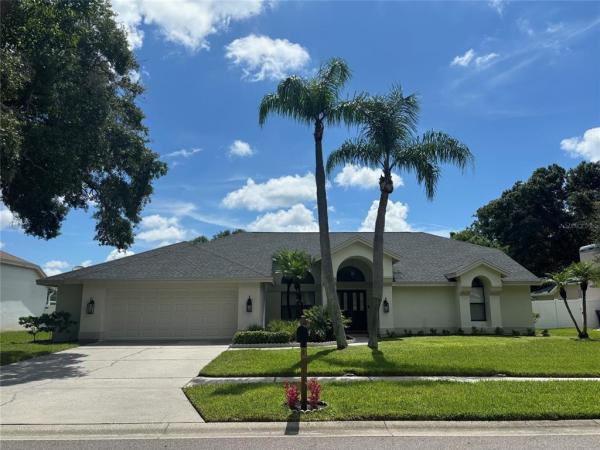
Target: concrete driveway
x,y
100,383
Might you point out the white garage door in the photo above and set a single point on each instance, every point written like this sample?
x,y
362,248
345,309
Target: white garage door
x,y
190,313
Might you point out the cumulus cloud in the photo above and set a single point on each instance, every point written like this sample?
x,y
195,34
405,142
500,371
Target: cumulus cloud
x,y
586,147
184,153
118,254
240,148
362,177
86,263
275,193
54,267
166,230
183,22
395,218
261,57
297,218
469,58
7,218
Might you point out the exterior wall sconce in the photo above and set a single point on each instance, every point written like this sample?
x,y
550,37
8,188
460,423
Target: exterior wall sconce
x,y
386,305
249,304
90,306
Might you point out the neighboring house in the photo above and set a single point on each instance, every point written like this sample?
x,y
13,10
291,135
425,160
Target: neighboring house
x,y
19,294
551,307
210,290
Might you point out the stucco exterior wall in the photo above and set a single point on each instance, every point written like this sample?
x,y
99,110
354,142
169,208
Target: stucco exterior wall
x,y
426,307
19,295
68,299
516,307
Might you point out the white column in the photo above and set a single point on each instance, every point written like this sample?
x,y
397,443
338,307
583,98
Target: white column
x,y
495,309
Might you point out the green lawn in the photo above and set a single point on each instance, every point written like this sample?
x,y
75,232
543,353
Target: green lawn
x,y
572,332
18,345
448,355
489,400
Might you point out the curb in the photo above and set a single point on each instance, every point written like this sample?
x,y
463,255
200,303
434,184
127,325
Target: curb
x,y
170,430
223,380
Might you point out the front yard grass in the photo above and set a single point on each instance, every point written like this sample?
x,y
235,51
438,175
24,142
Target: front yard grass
x,y
447,355
571,332
18,345
386,400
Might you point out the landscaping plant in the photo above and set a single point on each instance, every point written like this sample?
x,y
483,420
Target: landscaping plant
x,y
292,266
320,326
561,280
388,142
314,396
584,273
292,394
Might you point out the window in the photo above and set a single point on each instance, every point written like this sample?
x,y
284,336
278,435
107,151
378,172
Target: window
x,y
351,274
308,300
477,301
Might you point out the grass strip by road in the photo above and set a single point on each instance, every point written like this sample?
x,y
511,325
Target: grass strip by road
x,y
18,345
384,400
447,355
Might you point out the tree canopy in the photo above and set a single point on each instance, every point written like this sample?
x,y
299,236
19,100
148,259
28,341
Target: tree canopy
x,y
543,221
71,133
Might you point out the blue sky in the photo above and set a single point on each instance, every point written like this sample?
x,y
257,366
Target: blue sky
x,y
516,81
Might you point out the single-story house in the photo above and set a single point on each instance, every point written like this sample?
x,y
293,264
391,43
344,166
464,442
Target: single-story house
x,y
209,290
19,294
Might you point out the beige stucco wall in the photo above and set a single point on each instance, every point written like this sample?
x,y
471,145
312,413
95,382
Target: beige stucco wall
x,y
426,307
68,299
19,295
516,307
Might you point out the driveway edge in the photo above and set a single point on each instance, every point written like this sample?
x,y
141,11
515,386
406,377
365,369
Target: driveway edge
x,y
174,430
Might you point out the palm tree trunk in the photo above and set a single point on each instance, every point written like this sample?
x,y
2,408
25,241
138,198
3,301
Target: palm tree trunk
x,y
374,302
327,278
584,335
289,307
563,295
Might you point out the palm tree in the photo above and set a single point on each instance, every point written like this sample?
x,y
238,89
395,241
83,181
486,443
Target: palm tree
x,y
584,273
387,141
316,102
292,265
561,280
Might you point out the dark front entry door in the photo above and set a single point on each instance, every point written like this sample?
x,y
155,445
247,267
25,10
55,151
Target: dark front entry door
x,y
353,304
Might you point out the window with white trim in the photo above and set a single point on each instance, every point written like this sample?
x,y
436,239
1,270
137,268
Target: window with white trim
x,y
477,301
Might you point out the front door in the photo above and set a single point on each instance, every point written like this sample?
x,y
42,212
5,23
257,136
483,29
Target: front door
x,y
353,304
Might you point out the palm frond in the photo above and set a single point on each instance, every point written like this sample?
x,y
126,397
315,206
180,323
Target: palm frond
x,y
442,148
291,100
354,152
334,74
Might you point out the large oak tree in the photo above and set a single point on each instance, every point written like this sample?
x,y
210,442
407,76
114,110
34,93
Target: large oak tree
x,y
71,132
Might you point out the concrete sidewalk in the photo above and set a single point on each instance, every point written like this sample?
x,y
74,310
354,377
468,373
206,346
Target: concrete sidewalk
x,y
222,380
172,430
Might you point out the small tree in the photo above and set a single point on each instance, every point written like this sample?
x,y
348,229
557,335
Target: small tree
x,y
293,266
561,280
584,273
32,324
48,323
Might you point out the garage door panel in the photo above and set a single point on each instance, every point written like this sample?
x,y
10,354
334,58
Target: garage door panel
x,y
171,314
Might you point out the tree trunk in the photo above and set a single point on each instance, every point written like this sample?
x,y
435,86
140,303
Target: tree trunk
x,y
563,295
327,279
584,334
374,303
289,307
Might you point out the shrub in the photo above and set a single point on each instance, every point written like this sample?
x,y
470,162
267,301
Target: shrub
x,y
314,389
260,337
284,326
545,332
460,332
530,332
474,331
408,332
499,331
446,332
420,333
320,327
292,394
390,333
57,321
433,331
255,327
516,333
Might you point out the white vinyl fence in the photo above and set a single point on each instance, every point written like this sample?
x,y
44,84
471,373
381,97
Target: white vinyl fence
x,y
553,313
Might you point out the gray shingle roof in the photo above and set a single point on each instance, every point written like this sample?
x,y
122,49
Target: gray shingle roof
x,y
423,258
13,260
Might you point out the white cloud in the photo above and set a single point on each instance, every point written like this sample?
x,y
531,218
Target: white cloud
x,y
240,148
261,57
275,193
184,153
524,27
54,267
587,147
86,263
470,57
395,218
497,5
184,22
555,27
362,177
118,254
156,228
7,218
297,218
465,59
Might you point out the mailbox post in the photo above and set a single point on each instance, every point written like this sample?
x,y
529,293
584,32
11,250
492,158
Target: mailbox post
x,y
302,338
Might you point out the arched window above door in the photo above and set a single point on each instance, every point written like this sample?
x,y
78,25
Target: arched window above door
x,y
350,274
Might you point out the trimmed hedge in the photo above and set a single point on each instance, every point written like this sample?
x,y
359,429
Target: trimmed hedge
x,y
261,337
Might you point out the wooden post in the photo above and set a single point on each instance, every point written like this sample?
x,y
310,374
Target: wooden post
x,y
302,337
